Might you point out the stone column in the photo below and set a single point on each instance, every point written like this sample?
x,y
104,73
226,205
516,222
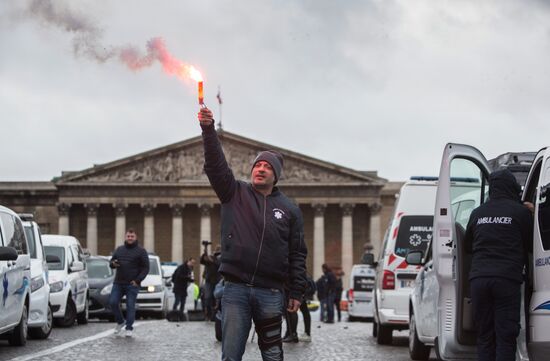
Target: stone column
x,y
63,211
91,228
347,240
149,227
177,233
120,223
318,239
375,235
205,228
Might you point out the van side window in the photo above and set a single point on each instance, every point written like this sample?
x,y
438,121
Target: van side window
x,y
70,257
15,234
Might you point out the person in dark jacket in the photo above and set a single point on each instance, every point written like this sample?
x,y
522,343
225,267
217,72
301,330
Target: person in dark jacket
x,y
499,235
211,278
263,248
326,288
180,280
338,289
132,265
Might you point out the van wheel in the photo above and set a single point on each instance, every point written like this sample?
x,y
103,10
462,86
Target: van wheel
x,y
417,350
43,332
351,319
384,335
19,333
70,315
374,328
82,317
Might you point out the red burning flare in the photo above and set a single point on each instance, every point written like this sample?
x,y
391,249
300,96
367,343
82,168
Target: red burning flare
x,y
156,51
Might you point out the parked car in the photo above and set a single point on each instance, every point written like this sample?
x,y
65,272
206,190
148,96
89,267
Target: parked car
x,y
15,264
409,229
359,294
40,313
443,283
100,281
68,278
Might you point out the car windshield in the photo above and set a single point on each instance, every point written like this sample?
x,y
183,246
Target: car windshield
x,y
99,269
415,234
154,267
30,240
60,253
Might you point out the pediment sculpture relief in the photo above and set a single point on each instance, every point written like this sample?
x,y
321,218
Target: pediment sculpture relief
x,y
187,165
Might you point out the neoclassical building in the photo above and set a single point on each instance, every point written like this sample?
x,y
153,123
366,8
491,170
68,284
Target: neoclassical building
x,y
165,195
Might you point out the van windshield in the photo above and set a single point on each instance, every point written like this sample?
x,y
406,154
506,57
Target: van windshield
x,y
98,269
59,252
415,234
30,240
153,267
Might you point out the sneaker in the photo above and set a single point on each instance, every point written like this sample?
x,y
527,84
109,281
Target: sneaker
x,y
305,337
129,333
291,338
118,328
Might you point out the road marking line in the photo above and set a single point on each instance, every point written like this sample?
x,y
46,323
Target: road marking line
x,y
67,345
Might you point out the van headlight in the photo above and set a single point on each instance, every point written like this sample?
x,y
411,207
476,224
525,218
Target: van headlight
x,y
37,283
106,290
152,289
56,287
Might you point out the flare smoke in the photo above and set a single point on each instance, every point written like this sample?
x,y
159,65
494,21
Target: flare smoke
x,y
87,40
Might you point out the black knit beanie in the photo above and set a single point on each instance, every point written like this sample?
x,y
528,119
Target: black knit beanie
x,y
274,158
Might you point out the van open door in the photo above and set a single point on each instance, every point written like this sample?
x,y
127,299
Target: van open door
x,y
537,191
463,186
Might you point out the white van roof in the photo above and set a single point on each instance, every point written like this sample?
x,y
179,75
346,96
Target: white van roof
x,y
58,240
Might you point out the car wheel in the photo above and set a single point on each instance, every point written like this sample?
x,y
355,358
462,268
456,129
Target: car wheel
x,y
70,315
417,350
384,334
43,332
83,316
19,333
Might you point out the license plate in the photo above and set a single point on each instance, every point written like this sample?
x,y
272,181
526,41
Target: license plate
x,y
407,283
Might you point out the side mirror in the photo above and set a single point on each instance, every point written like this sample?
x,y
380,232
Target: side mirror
x,y
8,254
77,266
414,258
50,258
368,258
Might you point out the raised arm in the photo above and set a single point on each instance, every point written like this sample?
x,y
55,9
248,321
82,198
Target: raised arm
x,y
215,165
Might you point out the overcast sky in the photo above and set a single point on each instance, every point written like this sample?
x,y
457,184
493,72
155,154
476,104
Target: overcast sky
x,y
371,85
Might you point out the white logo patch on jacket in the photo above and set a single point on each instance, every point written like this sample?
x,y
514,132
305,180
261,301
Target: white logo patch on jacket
x,y
278,213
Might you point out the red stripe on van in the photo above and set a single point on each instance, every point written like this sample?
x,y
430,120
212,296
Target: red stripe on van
x,y
403,264
391,259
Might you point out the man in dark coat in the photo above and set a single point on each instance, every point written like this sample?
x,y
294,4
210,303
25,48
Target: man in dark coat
x,y
132,266
499,235
263,248
180,280
211,278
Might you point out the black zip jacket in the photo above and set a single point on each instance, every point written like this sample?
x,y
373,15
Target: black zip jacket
x,y
181,279
262,237
134,263
500,231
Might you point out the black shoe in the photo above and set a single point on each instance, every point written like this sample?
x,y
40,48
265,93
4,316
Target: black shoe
x,y
291,338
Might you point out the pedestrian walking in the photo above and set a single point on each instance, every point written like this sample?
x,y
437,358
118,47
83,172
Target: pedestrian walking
x,y
132,265
181,278
499,235
338,289
326,287
211,278
263,248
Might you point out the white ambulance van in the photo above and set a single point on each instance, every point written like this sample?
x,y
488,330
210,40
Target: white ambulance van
x,y
410,229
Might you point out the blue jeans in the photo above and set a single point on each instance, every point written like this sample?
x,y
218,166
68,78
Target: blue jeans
x,y
240,305
327,308
131,292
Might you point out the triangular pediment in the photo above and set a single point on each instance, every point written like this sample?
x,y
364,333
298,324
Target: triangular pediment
x,y
182,162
